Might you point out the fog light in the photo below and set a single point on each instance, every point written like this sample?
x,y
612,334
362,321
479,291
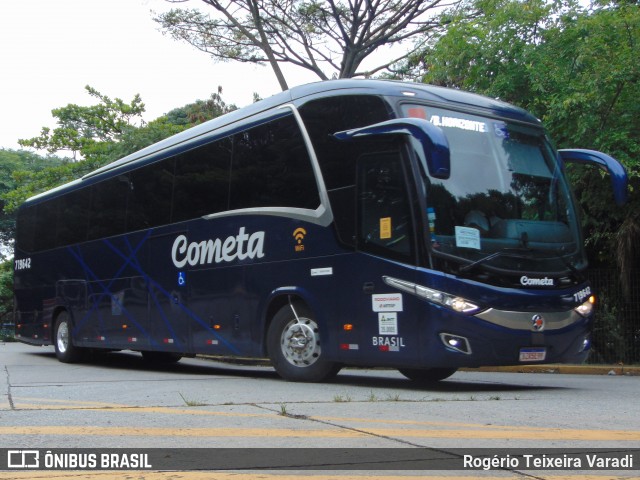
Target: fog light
x,y
586,345
456,343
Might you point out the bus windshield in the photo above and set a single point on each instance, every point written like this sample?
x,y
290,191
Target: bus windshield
x,y
506,205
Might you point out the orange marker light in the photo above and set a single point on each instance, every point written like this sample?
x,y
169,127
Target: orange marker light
x,y
347,327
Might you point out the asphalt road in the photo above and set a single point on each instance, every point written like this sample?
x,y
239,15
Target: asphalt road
x,y
118,401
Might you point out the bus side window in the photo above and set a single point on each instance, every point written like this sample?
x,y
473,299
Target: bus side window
x,y
108,207
271,168
73,217
201,184
384,214
47,226
322,118
150,195
27,223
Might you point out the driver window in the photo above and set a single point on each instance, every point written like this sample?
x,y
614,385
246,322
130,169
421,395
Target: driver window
x,y
384,213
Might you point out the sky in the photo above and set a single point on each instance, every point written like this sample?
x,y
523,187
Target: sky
x,y
51,49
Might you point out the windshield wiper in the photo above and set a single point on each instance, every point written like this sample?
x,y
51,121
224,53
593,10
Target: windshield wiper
x,y
512,252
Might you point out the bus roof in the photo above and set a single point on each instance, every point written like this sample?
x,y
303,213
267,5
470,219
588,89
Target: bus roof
x,y
445,97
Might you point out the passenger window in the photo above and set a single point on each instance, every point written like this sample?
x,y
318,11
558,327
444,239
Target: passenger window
x,y
150,196
109,207
384,213
26,230
271,168
73,219
322,118
202,181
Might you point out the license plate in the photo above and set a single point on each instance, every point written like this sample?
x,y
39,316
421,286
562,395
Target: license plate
x,y
533,354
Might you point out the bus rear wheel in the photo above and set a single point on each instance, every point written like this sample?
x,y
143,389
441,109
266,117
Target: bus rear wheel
x,y
294,346
427,375
66,351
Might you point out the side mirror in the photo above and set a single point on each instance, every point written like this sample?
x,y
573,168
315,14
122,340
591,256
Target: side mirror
x,y
431,138
619,179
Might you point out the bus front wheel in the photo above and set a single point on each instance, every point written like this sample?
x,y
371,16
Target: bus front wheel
x,y
294,346
427,375
66,351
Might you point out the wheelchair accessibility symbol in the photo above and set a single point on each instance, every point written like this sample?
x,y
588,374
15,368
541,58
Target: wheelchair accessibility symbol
x,y
182,280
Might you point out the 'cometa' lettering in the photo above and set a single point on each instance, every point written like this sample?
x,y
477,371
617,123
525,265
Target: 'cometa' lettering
x,y
546,281
240,246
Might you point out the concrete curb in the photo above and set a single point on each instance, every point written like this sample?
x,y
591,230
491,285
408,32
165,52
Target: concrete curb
x,y
626,370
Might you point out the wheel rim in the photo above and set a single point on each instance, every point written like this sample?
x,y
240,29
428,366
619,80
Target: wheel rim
x,y
62,337
300,342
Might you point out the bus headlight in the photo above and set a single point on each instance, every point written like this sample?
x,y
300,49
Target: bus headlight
x,y
587,307
453,302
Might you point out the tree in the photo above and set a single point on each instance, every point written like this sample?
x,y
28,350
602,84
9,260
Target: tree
x,y
12,161
106,134
6,300
330,38
88,130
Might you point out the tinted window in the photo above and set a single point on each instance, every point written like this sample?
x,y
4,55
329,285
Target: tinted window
x,y
202,181
73,217
271,168
109,207
384,213
327,116
337,159
45,235
150,195
26,228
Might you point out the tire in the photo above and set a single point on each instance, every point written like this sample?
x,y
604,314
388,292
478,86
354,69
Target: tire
x,y
161,357
427,375
66,351
295,348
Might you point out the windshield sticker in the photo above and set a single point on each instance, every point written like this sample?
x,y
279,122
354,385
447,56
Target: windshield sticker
x,y
385,228
467,237
417,112
461,123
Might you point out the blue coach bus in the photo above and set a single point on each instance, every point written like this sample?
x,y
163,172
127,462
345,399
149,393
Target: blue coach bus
x,y
348,222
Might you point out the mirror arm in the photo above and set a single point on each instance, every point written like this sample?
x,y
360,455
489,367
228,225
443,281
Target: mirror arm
x,y
619,179
432,139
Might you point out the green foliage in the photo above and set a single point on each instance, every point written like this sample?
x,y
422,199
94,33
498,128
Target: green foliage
x,y
88,130
31,183
107,134
12,162
6,300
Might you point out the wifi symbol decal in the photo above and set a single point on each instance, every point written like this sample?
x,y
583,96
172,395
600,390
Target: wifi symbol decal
x,y
299,234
